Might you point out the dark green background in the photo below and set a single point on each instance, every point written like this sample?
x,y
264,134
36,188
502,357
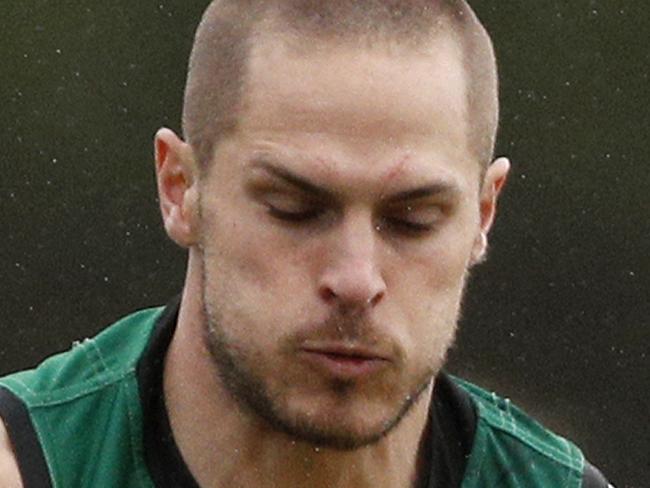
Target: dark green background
x,y
557,319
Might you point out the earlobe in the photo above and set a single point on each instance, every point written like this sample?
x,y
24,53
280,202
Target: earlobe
x,y
176,175
479,251
493,183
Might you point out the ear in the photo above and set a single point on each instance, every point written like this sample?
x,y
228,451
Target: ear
x,y
493,182
177,178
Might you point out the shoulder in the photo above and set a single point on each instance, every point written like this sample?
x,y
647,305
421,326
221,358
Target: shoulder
x,y
9,474
83,393
89,366
507,442
594,478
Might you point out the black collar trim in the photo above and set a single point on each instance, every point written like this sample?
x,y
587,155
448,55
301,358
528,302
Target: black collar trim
x,y
164,460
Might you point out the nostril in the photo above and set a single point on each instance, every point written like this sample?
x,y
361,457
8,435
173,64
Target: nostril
x,y
376,299
327,294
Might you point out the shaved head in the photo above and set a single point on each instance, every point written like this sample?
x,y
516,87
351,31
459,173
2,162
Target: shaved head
x,y
229,28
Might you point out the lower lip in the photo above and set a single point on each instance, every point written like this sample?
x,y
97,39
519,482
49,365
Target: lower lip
x,y
344,367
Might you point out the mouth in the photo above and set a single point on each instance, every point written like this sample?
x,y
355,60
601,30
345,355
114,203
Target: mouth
x,y
344,362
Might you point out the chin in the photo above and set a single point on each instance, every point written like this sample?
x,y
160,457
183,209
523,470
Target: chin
x,y
333,435
345,422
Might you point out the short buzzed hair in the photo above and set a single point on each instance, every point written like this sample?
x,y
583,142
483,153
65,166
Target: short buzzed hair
x,y
224,38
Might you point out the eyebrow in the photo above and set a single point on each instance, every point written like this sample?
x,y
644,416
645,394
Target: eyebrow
x,y
438,188
291,178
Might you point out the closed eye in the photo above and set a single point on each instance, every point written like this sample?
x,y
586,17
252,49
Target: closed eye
x,y
294,216
408,227
414,220
290,207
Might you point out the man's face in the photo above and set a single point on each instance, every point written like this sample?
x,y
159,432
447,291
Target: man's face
x,y
337,228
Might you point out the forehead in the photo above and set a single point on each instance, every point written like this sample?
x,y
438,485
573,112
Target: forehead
x,y
357,102
384,83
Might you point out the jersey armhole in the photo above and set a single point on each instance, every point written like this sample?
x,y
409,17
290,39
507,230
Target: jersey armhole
x,y
27,449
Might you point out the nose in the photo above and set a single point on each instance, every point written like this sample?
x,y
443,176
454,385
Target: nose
x,y
352,277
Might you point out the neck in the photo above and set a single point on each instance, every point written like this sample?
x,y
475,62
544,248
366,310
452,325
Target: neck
x,y
224,446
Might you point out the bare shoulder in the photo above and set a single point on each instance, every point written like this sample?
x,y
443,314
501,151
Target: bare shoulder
x,y
9,474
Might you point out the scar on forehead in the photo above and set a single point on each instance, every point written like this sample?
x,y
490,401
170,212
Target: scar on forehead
x,y
396,169
323,163
326,165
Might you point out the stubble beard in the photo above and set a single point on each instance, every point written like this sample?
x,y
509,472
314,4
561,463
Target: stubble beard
x,y
251,393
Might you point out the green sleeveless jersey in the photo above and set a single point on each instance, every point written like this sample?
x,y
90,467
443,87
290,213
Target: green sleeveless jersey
x,y
85,411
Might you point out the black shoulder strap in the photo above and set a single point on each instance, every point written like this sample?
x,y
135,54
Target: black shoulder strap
x,y
29,453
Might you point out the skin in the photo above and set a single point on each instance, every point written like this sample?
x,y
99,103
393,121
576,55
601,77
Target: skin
x,y
9,475
365,127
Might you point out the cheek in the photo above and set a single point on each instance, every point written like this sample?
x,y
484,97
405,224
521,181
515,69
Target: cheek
x,y
428,287
434,271
254,263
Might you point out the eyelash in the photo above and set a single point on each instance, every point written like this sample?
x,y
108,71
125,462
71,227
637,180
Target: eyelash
x,y
407,227
294,217
403,226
